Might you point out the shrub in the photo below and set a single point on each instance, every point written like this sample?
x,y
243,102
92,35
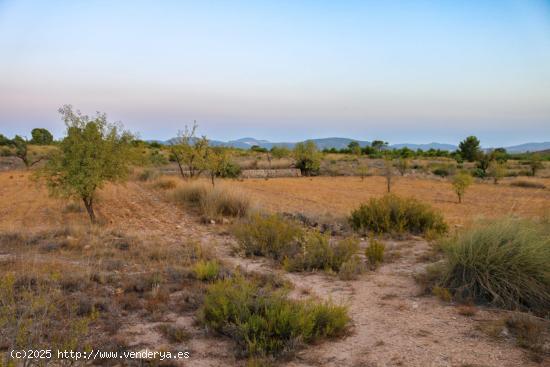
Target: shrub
x,y
206,270
190,194
264,322
270,236
148,175
350,269
174,333
375,252
441,171
391,213
461,182
212,202
528,184
504,262
221,202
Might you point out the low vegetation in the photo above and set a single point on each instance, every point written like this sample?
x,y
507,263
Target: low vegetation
x,y
297,249
375,252
212,202
393,214
504,263
264,322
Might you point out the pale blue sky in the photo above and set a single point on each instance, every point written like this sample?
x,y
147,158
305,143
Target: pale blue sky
x,y
402,71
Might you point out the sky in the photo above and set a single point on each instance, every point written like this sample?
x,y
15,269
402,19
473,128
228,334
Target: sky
x,y
282,70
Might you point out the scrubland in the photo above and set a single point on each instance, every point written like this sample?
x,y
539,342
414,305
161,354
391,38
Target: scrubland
x,y
286,271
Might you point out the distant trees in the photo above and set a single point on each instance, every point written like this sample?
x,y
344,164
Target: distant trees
x,y
21,146
402,165
307,157
379,145
535,163
190,152
354,148
93,152
469,148
4,140
279,152
41,136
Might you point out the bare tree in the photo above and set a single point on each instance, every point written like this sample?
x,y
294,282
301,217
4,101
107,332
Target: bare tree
x,y
190,151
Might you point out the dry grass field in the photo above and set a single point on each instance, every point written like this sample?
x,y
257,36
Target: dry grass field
x,y
337,196
137,268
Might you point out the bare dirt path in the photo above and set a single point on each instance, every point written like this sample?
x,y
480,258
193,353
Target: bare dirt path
x,y
393,326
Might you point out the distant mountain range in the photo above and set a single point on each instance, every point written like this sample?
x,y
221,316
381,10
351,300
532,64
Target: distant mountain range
x,y
340,143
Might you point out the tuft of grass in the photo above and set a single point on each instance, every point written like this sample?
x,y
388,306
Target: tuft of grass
x,y
212,203
206,270
504,262
393,214
265,322
351,269
164,184
528,184
375,252
442,293
220,202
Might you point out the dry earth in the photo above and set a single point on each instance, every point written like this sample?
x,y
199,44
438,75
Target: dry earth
x,y
339,195
392,324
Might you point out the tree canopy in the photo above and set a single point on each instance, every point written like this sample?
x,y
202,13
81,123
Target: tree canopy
x,y
93,152
469,148
41,136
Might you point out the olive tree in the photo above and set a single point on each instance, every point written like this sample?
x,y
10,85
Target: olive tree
x,y
21,146
307,157
190,152
219,164
92,153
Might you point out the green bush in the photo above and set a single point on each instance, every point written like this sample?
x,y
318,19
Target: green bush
x,y
504,262
206,270
375,252
351,268
392,214
285,241
263,321
270,236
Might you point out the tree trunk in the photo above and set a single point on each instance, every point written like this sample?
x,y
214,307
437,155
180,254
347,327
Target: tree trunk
x,y
388,181
89,204
180,167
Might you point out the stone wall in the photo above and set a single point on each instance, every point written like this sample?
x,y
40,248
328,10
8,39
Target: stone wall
x,y
270,173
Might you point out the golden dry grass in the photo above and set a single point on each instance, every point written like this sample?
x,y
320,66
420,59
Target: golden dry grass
x,y
339,195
